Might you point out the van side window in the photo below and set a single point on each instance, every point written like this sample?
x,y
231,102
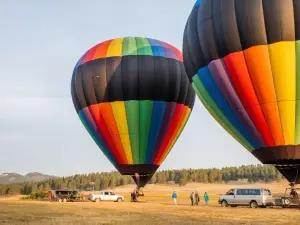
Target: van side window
x,y
240,192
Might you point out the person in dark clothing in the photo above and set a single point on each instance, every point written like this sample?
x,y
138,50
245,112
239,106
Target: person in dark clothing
x,y
197,198
192,198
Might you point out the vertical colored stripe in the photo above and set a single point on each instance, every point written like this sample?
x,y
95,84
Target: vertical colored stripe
x,y
115,48
238,72
101,50
297,119
169,112
158,112
129,46
109,129
217,114
170,132
146,107
220,76
143,46
133,119
283,62
215,94
97,138
119,112
181,125
259,67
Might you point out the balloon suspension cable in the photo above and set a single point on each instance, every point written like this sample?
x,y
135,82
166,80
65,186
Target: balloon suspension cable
x,y
292,184
137,176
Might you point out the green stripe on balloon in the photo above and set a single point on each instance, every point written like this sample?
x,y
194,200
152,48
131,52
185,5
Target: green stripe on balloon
x,y
129,46
146,107
133,114
217,114
297,121
143,46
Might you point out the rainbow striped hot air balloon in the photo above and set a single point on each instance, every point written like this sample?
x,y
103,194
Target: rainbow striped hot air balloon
x,y
242,58
134,98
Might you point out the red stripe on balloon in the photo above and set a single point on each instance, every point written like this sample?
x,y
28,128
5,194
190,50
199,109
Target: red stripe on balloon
x,y
240,78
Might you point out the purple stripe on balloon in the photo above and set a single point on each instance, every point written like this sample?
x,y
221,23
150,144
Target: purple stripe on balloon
x,y
164,127
219,74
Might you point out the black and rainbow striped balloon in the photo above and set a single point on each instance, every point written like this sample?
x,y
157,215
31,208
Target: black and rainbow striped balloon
x,y
242,58
134,98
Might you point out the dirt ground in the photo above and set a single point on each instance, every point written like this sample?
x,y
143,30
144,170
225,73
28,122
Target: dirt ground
x,y
157,209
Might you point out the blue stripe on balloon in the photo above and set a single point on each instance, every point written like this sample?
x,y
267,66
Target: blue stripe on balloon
x,y
214,92
158,112
96,136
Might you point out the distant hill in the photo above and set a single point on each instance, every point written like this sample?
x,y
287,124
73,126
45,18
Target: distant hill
x,y
10,178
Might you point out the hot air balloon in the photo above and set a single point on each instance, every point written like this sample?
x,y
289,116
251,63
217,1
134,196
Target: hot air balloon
x,y
242,60
134,98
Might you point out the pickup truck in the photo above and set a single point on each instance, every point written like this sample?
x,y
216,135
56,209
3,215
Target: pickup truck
x,y
106,196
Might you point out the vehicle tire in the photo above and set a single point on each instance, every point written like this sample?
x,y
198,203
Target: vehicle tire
x,y
287,202
119,199
234,206
224,203
253,204
97,200
64,200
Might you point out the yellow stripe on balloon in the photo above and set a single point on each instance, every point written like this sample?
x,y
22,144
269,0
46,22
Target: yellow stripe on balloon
x,y
115,48
121,121
283,63
186,115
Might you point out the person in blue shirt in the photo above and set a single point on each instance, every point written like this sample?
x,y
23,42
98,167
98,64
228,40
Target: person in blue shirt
x,y
206,198
174,197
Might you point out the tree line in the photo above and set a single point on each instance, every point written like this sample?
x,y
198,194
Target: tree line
x,y
101,181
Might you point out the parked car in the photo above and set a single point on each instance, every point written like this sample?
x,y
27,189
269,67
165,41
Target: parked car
x,y
253,197
106,196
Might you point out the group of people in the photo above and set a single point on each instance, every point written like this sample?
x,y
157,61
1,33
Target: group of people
x,y
194,197
136,195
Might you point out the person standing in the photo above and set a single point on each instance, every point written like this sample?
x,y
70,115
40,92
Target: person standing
x,y
206,198
174,197
192,198
197,198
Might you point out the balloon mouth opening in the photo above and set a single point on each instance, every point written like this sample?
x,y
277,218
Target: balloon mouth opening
x,y
279,155
140,169
286,159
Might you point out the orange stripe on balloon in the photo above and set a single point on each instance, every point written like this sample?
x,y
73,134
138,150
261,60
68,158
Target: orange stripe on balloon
x,y
171,131
102,50
238,72
259,67
178,129
103,129
109,121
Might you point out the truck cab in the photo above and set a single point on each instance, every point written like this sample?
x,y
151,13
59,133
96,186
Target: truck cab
x,y
106,196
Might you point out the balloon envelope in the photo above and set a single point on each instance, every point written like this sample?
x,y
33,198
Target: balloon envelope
x,y
242,60
134,98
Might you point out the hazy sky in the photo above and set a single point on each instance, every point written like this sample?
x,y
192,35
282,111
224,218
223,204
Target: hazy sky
x,y
40,43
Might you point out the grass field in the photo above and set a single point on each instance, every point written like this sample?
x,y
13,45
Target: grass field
x,y
157,209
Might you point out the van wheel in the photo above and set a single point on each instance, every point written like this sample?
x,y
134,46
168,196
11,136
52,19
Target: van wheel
x,y
253,204
119,199
224,203
97,200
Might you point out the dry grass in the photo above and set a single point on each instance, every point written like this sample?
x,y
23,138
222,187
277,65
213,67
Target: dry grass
x,y
157,209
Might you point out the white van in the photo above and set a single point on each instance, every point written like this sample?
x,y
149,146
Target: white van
x,y
253,197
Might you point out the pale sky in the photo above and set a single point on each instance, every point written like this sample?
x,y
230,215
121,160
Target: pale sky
x,y
40,43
